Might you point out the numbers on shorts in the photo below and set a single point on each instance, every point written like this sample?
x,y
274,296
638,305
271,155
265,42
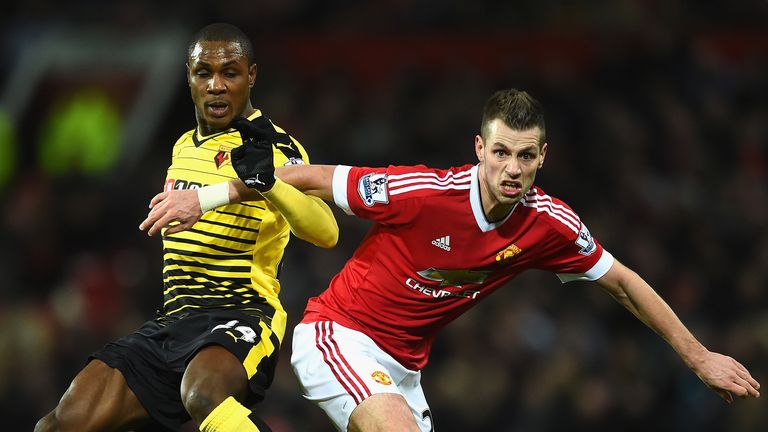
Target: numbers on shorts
x,y
246,333
427,414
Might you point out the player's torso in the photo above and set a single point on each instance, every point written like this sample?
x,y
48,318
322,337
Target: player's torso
x,y
447,263
229,258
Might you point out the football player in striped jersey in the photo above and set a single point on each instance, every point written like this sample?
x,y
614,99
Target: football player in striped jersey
x,y
444,239
210,353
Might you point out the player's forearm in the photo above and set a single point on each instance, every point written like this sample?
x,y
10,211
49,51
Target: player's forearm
x,y
239,192
650,308
314,180
309,217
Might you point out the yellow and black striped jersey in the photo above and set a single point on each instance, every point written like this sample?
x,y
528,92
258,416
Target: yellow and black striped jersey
x,y
230,257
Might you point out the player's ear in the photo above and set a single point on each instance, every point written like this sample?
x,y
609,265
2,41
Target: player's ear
x,y
543,154
252,69
188,82
479,145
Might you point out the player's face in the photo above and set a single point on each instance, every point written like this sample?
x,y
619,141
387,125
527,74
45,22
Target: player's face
x,y
509,160
220,80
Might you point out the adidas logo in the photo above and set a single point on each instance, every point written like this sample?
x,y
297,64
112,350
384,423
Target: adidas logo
x,y
443,243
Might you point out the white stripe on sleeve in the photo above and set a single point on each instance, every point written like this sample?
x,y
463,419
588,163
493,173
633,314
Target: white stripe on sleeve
x,y
597,271
339,185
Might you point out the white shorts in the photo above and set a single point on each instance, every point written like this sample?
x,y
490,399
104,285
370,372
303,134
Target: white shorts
x,y
338,368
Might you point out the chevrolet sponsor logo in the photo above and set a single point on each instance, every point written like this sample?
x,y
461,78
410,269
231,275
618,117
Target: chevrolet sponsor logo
x,y
455,277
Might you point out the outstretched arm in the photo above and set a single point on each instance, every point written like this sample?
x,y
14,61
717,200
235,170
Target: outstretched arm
x,y
309,217
315,180
721,373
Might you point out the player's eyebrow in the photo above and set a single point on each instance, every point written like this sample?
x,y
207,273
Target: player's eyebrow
x,y
225,64
530,147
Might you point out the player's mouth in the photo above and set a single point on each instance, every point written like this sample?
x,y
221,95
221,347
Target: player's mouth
x,y
218,109
511,188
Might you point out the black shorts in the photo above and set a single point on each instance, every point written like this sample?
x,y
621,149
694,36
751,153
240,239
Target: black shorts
x,y
153,359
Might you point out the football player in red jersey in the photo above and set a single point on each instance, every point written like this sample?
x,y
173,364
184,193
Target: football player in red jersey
x,y
444,239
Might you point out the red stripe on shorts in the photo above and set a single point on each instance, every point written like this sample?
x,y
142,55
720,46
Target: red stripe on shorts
x,y
343,359
335,368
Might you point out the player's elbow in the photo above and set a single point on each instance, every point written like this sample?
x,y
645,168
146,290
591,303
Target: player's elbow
x,y
328,239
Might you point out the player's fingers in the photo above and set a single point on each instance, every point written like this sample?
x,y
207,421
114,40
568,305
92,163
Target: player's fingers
x,y
152,217
177,228
739,366
159,225
749,389
743,374
746,375
157,198
739,387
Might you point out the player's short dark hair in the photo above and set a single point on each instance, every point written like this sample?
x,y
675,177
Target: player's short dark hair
x,y
517,109
223,32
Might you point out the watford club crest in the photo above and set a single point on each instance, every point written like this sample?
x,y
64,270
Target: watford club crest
x,y
221,157
509,252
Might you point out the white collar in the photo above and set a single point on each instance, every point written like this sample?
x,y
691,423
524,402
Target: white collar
x,y
477,204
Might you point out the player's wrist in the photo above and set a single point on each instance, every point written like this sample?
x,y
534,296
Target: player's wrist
x,y
213,196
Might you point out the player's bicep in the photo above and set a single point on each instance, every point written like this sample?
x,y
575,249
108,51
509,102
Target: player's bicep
x,y
576,255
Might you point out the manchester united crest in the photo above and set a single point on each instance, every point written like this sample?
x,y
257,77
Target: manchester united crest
x,y
381,378
509,252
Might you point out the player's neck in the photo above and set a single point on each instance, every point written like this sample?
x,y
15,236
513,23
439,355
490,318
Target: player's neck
x,y
497,213
493,210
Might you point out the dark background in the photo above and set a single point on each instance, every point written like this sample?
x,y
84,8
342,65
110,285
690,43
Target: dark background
x,y
657,115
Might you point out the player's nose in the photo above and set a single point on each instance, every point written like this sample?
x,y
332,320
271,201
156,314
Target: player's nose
x,y
216,84
513,169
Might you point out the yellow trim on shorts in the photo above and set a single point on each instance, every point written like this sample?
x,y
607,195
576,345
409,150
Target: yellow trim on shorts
x,y
265,348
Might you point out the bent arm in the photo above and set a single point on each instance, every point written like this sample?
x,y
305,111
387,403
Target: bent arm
x,y
309,218
721,373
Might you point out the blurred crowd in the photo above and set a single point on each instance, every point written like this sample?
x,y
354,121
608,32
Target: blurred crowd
x,y
657,123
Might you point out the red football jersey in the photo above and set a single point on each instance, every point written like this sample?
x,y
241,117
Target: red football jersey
x,y
432,255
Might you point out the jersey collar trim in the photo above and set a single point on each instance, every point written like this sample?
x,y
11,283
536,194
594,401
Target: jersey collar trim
x,y
198,139
477,204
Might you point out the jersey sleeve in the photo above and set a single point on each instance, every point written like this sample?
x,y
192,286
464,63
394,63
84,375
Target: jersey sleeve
x,y
367,193
573,254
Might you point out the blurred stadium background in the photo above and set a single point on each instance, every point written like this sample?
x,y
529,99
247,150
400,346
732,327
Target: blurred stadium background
x,y
657,115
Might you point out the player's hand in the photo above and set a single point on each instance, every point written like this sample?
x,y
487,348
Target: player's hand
x,y
726,376
253,161
176,210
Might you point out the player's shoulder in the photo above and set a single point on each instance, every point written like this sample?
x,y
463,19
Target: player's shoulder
x,y
552,211
185,137
290,148
421,169
421,180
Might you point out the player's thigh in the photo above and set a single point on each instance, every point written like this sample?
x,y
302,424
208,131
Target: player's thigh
x,y
383,412
237,357
341,370
98,399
